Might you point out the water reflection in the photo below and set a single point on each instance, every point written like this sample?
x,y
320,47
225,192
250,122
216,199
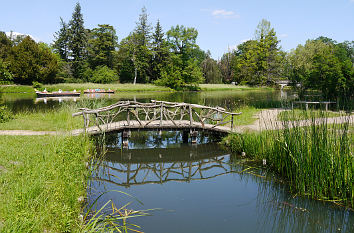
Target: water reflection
x,y
205,189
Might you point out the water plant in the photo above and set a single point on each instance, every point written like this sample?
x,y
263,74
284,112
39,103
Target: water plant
x,y
316,160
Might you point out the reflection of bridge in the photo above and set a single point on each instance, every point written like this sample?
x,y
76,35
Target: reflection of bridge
x,y
160,115
157,166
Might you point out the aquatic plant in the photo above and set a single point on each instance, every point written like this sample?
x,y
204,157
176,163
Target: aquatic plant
x,y
316,160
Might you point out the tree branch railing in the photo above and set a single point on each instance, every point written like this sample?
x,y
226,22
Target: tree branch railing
x,y
157,112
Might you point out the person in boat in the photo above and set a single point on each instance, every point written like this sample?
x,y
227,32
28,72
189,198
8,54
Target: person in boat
x,y
60,91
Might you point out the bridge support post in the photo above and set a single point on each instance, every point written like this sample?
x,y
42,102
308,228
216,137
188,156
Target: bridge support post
x,y
125,138
194,135
185,136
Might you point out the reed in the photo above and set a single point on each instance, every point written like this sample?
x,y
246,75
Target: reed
x,y
316,160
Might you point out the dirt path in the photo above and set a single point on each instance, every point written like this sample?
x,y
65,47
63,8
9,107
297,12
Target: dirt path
x,y
266,120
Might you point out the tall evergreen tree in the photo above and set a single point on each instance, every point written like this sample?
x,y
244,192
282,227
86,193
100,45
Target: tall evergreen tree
x,y
61,43
160,52
78,41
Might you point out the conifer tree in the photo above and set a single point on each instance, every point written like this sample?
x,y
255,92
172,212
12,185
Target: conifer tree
x,y
77,42
61,43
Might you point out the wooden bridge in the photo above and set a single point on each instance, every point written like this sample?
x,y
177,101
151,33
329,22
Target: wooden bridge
x,y
156,115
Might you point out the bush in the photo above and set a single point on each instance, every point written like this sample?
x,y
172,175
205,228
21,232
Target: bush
x,y
36,84
5,114
103,74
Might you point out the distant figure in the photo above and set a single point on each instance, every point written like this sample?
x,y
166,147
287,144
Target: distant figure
x,y
60,91
45,90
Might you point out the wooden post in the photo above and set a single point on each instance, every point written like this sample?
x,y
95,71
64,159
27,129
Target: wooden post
x,y
128,116
190,115
307,106
185,136
161,115
194,135
326,107
232,122
125,139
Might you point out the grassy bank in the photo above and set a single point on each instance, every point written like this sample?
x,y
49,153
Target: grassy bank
x,y
229,87
50,120
41,179
298,114
118,87
316,161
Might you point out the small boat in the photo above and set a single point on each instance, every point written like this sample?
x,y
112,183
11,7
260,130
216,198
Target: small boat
x,y
59,93
92,91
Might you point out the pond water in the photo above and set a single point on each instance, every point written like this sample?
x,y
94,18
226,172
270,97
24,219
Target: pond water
x,y
197,188
227,99
203,188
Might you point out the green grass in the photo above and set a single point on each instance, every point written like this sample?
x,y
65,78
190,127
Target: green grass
x,y
118,87
16,89
298,114
248,115
225,87
41,179
317,161
51,120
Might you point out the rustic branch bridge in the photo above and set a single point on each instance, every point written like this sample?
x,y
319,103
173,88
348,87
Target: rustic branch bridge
x,y
156,115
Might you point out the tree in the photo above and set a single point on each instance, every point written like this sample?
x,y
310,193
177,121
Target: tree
x,y
160,52
183,69
323,65
211,70
61,43
77,42
5,45
225,65
32,62
101,45
268,61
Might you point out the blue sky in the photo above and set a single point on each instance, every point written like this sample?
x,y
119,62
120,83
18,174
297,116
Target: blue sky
x,y
220,23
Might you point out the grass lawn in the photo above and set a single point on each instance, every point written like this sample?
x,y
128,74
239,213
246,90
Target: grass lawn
x,y
118,87
51,120
248,115
225,87
41,179
298,114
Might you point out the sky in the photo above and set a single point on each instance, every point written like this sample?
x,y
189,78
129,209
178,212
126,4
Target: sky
x,y
221,24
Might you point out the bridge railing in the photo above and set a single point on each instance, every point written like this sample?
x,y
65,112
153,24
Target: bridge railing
x,y
158,112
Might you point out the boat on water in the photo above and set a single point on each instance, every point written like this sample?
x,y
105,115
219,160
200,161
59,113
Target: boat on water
x,y
92,91
60,93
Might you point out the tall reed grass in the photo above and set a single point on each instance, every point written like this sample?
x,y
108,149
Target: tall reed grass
x,y
316,160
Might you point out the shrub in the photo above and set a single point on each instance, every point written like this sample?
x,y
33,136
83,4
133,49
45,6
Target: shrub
x,y
5,114
36,84
103,74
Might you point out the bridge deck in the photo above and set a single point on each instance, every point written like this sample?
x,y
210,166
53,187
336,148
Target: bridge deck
x,y
152,125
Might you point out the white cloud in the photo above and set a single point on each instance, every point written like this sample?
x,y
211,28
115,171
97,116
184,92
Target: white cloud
x,y
285,35
15,34
221,13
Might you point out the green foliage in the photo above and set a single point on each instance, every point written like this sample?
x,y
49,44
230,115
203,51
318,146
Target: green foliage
x,y
211,70
5,114
103,74
101,45
316,161
30,62
77,42
36,84
5,75
320,64
61,43
258,62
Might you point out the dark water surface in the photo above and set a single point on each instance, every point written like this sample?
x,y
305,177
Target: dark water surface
x,y
203,188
